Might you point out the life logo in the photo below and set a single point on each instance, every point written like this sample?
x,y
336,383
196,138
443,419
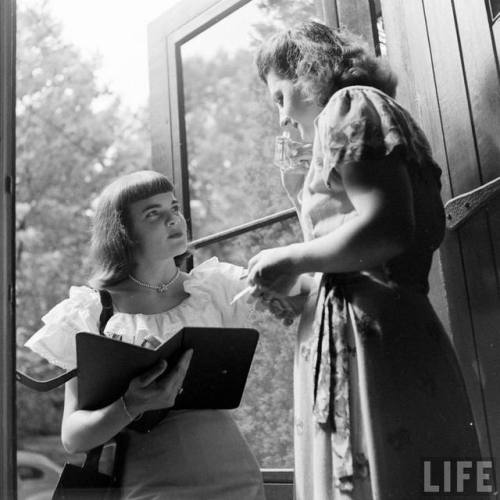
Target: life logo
x,y
454,477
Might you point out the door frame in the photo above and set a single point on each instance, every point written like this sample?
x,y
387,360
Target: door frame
x,y
7,241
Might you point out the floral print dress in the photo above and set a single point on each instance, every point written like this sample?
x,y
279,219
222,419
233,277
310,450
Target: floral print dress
x,y
377,385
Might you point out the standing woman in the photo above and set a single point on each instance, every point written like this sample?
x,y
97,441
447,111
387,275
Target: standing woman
x,y
138,233
377,385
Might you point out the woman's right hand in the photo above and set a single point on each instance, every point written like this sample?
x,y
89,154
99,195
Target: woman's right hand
x,y
151,391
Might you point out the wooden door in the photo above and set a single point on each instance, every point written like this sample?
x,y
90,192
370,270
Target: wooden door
x,y
446,55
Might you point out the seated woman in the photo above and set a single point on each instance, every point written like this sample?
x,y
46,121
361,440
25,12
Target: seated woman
x,y
138,232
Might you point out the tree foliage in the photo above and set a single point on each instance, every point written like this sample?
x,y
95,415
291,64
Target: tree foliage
x,y
231,124
73,136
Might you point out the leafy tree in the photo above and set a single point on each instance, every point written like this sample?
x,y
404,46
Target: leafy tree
x,y
73,136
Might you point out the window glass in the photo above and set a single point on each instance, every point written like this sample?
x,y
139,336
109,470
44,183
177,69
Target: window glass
x,y
230,120
80,122
266,413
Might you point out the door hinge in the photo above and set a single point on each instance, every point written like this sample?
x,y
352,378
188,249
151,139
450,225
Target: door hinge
x,y
462,207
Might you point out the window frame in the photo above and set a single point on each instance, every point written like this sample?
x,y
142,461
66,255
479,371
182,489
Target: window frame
x,y
8,477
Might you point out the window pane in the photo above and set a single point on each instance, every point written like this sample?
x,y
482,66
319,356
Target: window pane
x,y
230,121
266,413
81,121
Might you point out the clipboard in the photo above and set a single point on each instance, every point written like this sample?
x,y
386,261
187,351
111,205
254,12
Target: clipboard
x,y
215,379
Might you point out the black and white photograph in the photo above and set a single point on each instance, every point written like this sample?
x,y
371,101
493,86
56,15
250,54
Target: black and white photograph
x,y
250,249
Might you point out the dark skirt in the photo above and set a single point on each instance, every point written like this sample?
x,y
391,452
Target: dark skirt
x,y
406,397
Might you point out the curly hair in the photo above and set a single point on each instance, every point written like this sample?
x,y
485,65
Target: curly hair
x,y
322,60
112,245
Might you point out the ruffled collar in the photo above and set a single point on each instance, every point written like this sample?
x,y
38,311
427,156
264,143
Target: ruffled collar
x,y
195,310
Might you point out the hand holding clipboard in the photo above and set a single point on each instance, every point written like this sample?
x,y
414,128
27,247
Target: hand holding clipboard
x,y
215,378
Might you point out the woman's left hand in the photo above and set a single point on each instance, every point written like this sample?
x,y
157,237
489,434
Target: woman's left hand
x,y
273,269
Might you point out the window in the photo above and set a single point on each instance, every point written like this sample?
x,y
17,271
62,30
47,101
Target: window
x,y
230,122
227,126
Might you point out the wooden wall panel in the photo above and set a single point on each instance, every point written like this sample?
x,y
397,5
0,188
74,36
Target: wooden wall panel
x,y
481,68
463,175
494,209
479,237
482,71
410,56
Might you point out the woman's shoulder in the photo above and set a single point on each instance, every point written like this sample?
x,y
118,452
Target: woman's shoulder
x,y
215,269
216,281
364,123
366,101
78,312
365,115
81,298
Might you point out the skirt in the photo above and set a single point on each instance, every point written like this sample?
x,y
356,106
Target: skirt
x,y
406,398
191,455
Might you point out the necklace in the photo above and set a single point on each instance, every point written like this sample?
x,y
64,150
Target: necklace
x,y
161,288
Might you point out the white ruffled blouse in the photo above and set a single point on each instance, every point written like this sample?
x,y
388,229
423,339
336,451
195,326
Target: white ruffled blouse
x,y
210,285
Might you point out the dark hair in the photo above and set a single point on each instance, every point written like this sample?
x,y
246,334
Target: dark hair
x,y
323,60
112,244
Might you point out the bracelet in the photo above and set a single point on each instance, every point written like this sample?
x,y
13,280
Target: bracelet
x,y
129,415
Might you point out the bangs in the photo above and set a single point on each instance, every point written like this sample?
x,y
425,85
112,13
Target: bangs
x,y
136,186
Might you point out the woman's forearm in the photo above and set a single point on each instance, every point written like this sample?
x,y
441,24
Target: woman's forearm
x,y
83,430
355,246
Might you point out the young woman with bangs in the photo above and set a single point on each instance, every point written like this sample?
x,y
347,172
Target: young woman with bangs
x,y
139,234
